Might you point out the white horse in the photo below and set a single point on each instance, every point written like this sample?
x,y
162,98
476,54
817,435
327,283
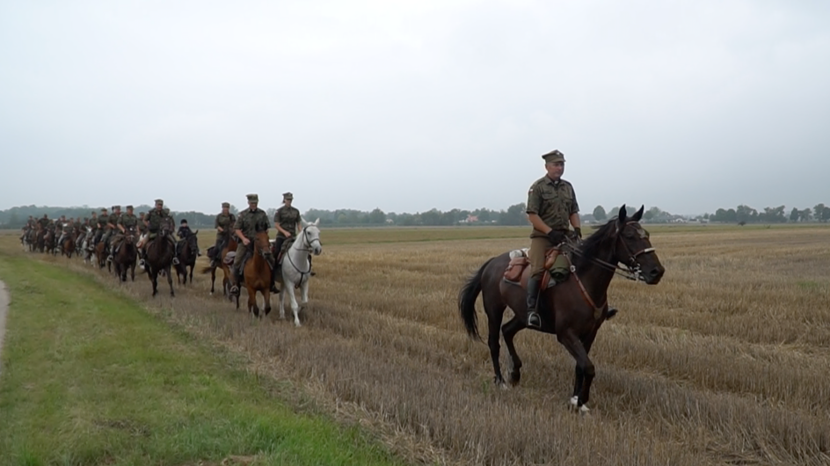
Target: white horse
x,y
296,267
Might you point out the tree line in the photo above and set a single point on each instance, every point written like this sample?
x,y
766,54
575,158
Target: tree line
x,y
514,215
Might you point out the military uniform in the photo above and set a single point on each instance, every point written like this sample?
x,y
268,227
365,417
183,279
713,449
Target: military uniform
x,y
287,218
249,222
128,221
553,201
103,219
112,221
226,222
156,219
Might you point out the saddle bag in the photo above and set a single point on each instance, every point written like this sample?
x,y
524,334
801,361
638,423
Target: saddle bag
x,y
513,272
558,265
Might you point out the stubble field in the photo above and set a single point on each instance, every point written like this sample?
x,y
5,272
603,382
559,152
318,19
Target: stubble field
x,y
726,361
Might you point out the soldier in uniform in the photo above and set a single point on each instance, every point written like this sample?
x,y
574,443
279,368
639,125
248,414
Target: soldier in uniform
x,y
65,228
249,222
125,222
224,228
551,209
103,220
287,222
43,222
111,227
154,220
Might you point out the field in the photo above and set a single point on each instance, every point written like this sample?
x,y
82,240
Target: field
x,y
726,361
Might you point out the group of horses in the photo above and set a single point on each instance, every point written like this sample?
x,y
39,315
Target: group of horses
x,y
573,310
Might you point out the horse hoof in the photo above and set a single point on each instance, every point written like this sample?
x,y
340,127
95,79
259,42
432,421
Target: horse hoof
x,y
573,402
584,410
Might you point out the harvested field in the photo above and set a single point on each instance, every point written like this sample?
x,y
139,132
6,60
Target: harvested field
x,y
726,361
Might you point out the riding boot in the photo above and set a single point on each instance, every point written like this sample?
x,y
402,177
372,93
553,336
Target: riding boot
x,y
274,288
235,281
311,270
533,318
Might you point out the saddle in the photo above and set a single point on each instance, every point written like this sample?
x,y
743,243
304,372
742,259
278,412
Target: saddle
x,y
557,267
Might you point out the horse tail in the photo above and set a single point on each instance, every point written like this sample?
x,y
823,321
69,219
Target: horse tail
x,y
207,269
467,301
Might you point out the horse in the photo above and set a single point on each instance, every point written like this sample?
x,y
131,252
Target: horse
x,y
188,249
125,258
219,261
257,273
68,246
159,258
296,268
573,310
49,241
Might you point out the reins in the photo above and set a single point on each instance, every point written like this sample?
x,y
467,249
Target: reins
x,y
307,249
629,272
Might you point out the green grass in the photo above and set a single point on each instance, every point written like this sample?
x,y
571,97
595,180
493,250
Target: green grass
x,y
90,378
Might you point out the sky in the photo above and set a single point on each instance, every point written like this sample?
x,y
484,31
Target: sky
x,y
412,105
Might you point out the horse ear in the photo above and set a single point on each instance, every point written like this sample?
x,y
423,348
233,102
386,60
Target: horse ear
x,y
317,222
197,232
621,216
638,215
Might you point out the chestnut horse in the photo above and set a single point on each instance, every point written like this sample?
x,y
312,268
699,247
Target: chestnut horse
x,y
573,310
257,273
229,245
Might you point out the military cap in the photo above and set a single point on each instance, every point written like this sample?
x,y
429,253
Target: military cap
x,y
253,198
287,195
159,201
116,207
554,156
226,204
183,222
129,207
103,209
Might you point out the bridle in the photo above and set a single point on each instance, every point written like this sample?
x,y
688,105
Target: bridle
x,y
305,245
631,271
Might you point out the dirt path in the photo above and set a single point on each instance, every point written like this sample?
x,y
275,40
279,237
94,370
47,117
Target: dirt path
x,y
4,304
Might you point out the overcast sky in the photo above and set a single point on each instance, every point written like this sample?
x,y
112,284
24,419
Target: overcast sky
x,y
413,105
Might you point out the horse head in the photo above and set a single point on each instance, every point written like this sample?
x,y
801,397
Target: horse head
x,y
633,248
311,237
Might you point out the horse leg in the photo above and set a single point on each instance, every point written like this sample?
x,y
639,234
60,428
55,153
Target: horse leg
x,y
304,293
170,281
252,306
584,372
494,316
509,330
191,273
154,280
295,307
266,295
212,280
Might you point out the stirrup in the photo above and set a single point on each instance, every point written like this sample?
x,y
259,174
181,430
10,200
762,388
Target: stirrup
x,y
534,320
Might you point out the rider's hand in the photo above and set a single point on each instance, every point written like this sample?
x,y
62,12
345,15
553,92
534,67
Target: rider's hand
x,y
288,234
556,236
246,241
578,232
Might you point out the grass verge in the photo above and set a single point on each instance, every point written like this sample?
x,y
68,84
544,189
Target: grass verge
x,y
90,378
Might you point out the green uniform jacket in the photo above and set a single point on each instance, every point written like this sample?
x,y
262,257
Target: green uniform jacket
x,y
155,218
114,220
554,202
226,222
287,218
128,221
252,221
102,221
43,222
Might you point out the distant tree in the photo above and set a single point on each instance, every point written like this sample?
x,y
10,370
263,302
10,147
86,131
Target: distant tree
x,y
377,217
806,215
614,212
652,213
794,215
599,214
234,210
746,214
270,212
515,215
819,212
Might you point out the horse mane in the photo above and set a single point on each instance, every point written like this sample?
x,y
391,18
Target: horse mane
x,y
591,246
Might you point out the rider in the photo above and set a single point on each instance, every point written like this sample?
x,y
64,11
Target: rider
x,y
249,222
183,233
224,225
103,220
126,221
154,220
287,222
551,209
43,222
112,225
65,227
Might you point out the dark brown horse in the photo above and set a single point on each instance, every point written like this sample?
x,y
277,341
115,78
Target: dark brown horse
x,y
229,245
68,246
188,249
257,273
125,256
159,258
573,310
